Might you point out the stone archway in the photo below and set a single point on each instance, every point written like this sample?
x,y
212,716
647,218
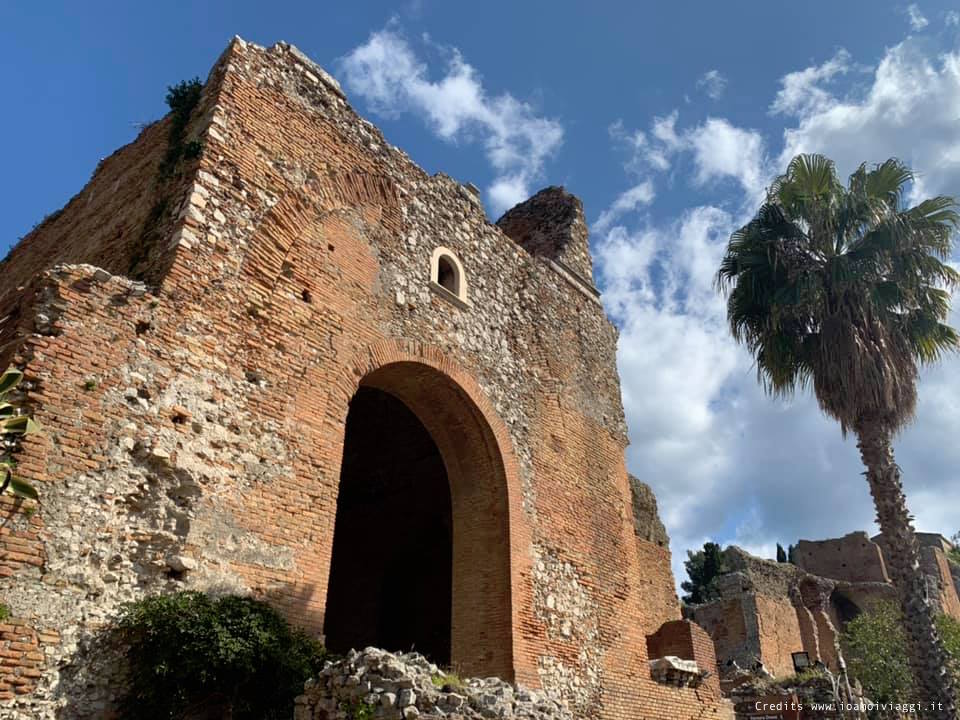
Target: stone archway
x,y
437,413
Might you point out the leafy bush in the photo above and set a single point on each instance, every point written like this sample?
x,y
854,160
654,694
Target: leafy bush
x,y
187,650
874,645
182,98
949,629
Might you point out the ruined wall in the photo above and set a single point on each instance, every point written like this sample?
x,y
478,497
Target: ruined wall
x,y
194,430
779,633
769,610
731,624
657,587
936,566
113,222
854,558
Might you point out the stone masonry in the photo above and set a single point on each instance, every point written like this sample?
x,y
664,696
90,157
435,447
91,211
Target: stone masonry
x,y
192,338
388,686
768,610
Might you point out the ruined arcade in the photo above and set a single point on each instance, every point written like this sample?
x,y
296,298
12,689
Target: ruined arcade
x,y
291,364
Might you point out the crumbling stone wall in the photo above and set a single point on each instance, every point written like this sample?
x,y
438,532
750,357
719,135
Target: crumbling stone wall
x,y
854,558
194,425
769,610
766,612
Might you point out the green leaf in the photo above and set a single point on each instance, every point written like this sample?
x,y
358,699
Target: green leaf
x,y
10,379
21,424
23,489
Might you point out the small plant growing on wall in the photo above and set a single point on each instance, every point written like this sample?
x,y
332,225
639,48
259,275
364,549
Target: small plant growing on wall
x,y
231,656
13,426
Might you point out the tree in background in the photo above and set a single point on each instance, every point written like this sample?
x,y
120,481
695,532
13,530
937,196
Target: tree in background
x,y
955,551
781,554
874,645
703,568
847,289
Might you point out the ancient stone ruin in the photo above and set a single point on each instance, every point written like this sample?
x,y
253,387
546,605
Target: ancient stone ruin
x,y
767,610
389,686
272,356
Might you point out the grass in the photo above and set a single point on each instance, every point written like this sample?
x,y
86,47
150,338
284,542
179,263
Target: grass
x,y
452,680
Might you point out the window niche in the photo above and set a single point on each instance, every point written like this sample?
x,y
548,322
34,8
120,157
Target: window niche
x,y
447,278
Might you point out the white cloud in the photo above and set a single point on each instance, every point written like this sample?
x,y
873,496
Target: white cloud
x,y
910,110
386,72
951,18
802,91
916,18
713,83
719,151
722,150
627,202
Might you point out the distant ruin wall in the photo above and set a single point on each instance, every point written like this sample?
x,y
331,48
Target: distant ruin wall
x,y
854,558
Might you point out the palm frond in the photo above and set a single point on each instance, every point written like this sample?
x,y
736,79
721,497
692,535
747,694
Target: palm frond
x,y
842,288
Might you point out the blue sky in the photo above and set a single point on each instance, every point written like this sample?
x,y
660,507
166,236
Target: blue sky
x,y
668,119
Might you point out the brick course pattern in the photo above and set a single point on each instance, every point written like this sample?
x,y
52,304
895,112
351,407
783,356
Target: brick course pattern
x,y
191,342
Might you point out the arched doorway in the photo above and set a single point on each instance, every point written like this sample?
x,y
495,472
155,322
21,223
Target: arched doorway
x,y
390,573
421,548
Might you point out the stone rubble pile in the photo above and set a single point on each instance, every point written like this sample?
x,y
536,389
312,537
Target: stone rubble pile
x,y
378,685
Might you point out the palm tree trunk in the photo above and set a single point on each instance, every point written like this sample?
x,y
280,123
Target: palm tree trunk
x,y
928,660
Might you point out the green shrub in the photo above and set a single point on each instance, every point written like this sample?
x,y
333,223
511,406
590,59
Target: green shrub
x,y
187,648
949,629
182,98
4,612
874,646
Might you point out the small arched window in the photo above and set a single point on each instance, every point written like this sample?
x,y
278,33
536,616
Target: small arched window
x,y
447,278
447,275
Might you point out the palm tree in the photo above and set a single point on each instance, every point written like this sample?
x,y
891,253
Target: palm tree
x,y
846,289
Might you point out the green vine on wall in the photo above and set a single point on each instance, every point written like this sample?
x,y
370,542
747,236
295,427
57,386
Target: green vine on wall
x,y
182,98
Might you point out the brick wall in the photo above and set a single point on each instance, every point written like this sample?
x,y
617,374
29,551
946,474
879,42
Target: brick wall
x,y
194,433
779,631
22,657
934,562
657,587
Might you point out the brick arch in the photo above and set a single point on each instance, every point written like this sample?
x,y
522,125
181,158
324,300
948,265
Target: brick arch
x,y
491,559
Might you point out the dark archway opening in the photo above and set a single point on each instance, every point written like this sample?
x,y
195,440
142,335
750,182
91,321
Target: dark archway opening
x,y
846,609
391,568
